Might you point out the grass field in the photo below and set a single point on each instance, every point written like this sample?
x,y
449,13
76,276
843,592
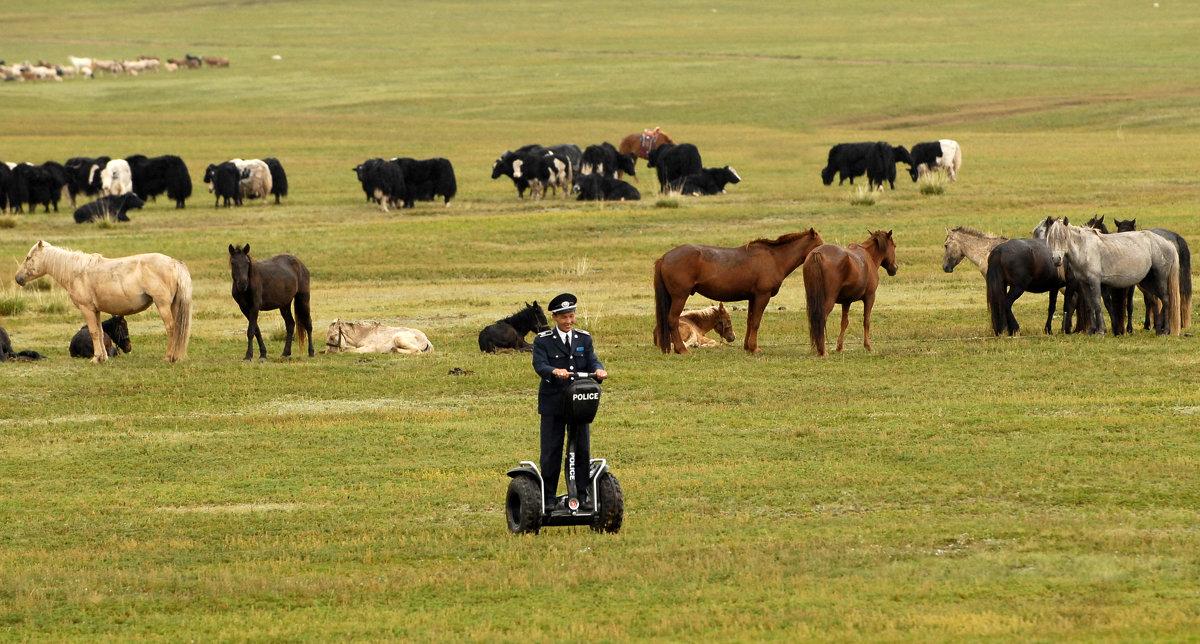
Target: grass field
x,y
948,486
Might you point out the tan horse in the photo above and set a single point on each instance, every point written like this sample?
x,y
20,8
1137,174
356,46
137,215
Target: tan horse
x,y
121,286
969,243
694,324
373,337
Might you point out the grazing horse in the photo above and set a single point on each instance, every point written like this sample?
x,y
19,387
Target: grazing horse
x,y
752,272
836,275
969,243
1185,274
116,338
373,337
121,286
1119,260
509,333
271,284
694,324
640,144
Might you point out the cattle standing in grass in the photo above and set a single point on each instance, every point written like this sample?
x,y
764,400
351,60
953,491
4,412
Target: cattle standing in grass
x,y
535,168
427,179
279,183
674,162
593,187
710,181
79,176
846,161
37,185
606,161
5,185
932,156
156,175
881,166
224,181
109,207
114,179
383,181
255,180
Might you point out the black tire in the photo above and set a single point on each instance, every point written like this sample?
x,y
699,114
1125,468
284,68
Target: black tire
x,y
611,512
523,506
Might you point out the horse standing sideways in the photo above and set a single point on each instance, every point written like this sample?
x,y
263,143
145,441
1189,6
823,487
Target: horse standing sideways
x,y
641,143
274,283
120,286
1017,266
694,324
1119,260
752,272
373,337
836,275
509,333
1185,274
969,243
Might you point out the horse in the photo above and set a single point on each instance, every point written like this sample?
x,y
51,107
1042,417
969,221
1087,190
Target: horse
x,y
752,272
640,144
1119,260
120,286
969,243
1185,274
116,339
836,275
274,283
7,353
373,337
509,333
694,324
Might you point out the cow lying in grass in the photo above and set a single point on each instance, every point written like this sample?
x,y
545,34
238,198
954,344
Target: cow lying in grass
x,y
594,187
709,181
112,207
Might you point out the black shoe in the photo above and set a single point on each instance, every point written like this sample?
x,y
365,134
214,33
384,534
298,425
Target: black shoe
x,y
585,505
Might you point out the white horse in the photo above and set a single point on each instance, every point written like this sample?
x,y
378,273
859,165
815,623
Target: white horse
x,y
969,243
121,286
1119,260
373,337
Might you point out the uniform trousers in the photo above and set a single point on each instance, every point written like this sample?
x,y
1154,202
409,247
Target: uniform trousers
x,y
554,430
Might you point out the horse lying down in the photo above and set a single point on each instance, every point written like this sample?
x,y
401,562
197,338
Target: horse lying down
x,y
7,353
116,339
373,337
693,325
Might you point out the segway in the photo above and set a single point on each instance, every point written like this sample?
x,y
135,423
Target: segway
x,y
523,507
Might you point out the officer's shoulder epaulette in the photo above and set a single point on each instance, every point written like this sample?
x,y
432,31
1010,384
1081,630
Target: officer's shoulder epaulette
x,y
582,331
546,333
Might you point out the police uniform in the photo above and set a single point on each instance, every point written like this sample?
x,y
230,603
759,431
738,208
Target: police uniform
x,y
550,352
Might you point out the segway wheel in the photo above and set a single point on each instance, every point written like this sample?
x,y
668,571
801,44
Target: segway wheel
x,y
523,506
611,512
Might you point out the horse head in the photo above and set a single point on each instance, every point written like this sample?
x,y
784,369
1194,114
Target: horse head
x,y
1039,231
239,265
1097,222
886,245
539,317
1125,226
335,336
1057,237
118,330
954,253
724,325
31,268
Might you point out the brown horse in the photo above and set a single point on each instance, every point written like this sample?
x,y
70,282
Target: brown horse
x,y
752,272
271,284
640,144
693,325
836,275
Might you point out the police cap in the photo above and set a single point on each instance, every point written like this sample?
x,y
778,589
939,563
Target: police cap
x,y
563,303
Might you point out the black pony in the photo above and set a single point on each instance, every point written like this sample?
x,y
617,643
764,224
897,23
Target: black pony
x,y
509,333
7,353
1014,267
271,284
116,339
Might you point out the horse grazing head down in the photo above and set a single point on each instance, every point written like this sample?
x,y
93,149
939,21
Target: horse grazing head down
x,y
239,264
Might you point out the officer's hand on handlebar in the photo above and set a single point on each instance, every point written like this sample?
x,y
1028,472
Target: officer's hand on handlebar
x,y
561,374
601,374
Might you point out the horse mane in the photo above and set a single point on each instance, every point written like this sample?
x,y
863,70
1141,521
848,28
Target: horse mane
x,y
779,241
966,230
702,315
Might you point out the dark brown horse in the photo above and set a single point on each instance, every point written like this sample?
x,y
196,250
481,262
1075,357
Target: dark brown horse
x,y
641,143
271,284
836,275
752,272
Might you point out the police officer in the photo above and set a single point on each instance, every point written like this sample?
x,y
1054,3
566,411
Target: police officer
x,y
558,354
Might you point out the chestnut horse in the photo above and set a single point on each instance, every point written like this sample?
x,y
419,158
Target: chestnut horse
x,y
693,325
752,272
836,275
640,144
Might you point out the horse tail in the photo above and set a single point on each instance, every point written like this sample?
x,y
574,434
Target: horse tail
x,y
1185,284
662,310
181,314
996,295
1173,296
303,308
814,294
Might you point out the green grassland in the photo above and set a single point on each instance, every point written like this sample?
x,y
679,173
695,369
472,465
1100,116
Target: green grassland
x,y
948,486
